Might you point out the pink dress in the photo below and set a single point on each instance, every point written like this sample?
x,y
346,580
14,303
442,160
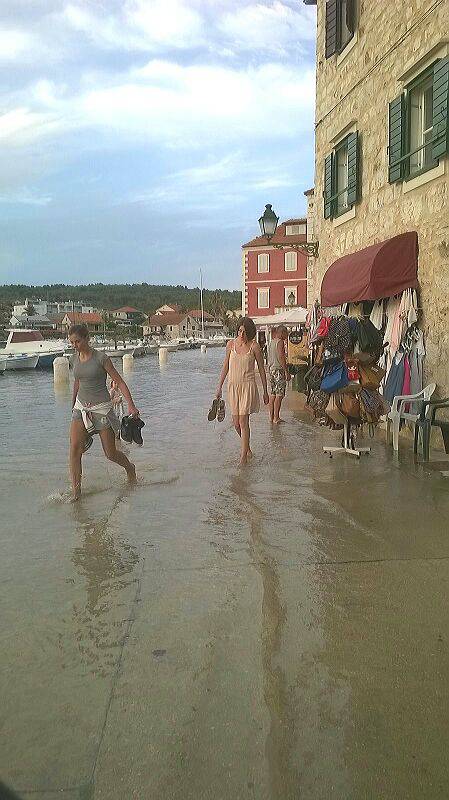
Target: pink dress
x,y
243,395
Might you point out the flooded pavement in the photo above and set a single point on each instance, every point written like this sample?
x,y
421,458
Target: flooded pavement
x,y
271,633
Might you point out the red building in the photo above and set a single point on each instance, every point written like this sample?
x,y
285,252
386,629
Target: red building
x,y
275,278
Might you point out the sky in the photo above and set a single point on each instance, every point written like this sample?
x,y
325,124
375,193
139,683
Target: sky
x,y
141,139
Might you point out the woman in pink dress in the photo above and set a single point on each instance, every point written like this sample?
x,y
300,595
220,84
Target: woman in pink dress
x,y
239,367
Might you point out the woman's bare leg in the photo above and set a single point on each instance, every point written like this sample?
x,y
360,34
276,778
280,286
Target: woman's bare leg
x,y
245,436
236,423
107,437
77,442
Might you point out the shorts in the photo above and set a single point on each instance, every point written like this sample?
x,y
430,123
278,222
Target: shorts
x,y
278,383
100,421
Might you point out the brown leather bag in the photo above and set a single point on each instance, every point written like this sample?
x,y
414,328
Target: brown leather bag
x,y
349,405
371,376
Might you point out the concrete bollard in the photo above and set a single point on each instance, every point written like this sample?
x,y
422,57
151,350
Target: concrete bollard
x,y
203,348
162,355
128,362
61,370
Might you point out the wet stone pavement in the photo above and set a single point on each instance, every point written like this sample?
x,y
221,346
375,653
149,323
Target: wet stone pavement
x,y
272,633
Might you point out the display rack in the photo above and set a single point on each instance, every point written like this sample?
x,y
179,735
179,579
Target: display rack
x,y
347,444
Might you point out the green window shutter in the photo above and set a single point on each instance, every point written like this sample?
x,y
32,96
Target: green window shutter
x,y
396,133
328,170
353,168
331,28
440,108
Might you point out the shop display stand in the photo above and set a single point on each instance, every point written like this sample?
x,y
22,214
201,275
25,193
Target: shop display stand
x,y
347,444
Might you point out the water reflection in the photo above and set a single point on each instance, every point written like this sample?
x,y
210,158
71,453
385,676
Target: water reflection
x,y
107,562
284,778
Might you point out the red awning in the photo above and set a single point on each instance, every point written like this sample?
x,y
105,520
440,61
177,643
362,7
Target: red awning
x,y
381,270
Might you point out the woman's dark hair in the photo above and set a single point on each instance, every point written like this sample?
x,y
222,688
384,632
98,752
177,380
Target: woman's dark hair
x,y
79,330
250,328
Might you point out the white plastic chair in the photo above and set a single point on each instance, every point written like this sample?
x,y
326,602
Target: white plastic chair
x,y
397,412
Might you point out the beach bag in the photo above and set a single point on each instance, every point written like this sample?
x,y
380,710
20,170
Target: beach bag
x,y
322,329
318,402
339,337
349,405
334,412
312,378
369,338
371,376
335,377
298,380
372,406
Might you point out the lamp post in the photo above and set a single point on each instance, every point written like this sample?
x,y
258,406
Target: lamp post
x,y
268,223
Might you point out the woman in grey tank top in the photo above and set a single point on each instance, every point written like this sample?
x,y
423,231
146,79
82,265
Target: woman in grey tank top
x,y
91,403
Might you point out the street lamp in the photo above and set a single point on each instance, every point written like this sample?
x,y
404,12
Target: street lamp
x,y
268,223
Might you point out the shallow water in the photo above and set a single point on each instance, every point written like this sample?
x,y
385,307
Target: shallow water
x,y
275,632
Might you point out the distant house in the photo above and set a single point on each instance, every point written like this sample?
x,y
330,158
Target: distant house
x,y
212,327
36,321
173,325
47,308
93,321
127,315
196,314
167,309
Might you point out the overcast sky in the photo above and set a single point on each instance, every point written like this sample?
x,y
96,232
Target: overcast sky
x,y
140,139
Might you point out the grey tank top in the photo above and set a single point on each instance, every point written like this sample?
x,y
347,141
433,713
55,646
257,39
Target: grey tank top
x,y
92,378
273,355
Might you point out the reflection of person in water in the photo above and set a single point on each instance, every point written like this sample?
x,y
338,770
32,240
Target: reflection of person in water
x,y
107,564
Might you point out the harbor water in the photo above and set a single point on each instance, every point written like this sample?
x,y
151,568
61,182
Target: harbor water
x,y
216,633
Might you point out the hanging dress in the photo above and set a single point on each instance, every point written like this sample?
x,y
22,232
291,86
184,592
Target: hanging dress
x,y
243,395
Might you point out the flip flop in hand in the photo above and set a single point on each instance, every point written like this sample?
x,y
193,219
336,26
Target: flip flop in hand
x,y
213,409
221,413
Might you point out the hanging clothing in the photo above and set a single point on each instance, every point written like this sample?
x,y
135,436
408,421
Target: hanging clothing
x,y
395,379
377,314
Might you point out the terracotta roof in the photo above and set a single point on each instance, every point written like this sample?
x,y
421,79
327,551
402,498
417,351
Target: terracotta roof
x,y
196,312
76,317
279,237
173,306
166,319
128,310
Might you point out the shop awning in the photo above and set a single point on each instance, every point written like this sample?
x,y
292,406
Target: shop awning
x,y
294,316
381,270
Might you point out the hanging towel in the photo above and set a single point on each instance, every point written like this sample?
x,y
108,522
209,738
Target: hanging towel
x,y
377,314
395,379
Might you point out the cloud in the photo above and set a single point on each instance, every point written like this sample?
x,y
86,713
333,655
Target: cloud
x,y
275,27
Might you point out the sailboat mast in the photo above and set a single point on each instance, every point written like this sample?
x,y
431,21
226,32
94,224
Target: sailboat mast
x,y
202,304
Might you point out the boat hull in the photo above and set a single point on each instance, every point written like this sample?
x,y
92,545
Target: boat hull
x,y
45,360
21,362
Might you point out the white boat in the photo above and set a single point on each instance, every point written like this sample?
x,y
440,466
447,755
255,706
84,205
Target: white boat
x,y
2,364
170,346
151,348
21,361
184,344
22,341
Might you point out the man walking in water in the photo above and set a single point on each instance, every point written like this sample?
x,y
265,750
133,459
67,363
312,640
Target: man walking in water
x,y
278,372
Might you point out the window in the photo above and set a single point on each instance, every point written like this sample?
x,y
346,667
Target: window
x,y
290,295
418,134
340,25
296,230
263,298
263,262
291,261
341,177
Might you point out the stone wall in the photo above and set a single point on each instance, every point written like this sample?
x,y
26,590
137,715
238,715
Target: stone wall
x,y
391,38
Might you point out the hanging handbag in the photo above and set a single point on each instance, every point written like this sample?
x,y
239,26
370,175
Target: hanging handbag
x,y
334,412
335,377
371,376
349,405
322,329
312,378
354,386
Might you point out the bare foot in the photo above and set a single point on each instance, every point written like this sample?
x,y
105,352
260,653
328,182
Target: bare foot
x,y
132,477
249,454
76,496
278,421
243,461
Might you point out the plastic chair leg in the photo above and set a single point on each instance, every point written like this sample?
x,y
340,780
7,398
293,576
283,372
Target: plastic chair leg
x,y
388,430
396,434
426,442
416,439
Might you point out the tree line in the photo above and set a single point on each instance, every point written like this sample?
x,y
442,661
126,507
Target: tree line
x,y
144,297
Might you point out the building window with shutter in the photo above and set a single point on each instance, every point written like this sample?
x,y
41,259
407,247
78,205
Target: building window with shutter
x,y
340,25
341,177
263,298
263,262
419,124
291,261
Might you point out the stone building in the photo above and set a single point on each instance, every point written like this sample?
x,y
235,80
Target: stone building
x,y
382,142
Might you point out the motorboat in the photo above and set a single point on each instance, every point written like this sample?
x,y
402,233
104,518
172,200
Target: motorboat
x,y
151,348
184,344
171,346
22,341
21,361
